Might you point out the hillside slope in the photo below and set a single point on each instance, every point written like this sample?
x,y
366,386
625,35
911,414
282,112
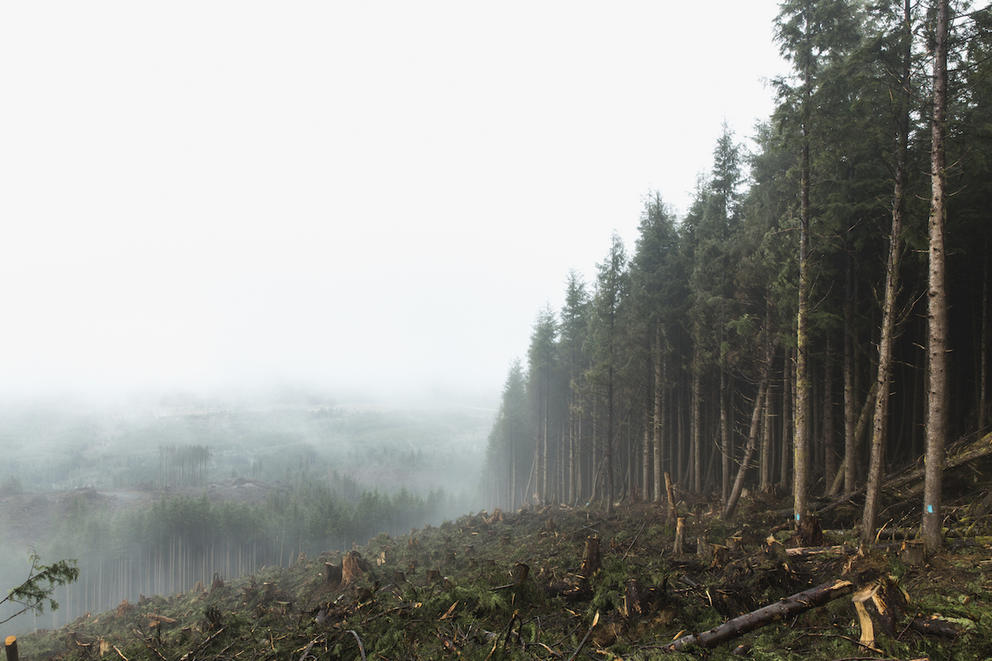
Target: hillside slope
x,y
461,590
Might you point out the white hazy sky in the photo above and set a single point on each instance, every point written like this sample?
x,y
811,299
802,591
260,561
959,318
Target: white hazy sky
x,y
380,194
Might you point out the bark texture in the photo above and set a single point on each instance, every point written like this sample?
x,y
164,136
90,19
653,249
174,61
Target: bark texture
x,y
936,427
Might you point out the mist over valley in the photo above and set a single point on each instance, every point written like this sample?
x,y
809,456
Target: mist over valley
x,y
160,493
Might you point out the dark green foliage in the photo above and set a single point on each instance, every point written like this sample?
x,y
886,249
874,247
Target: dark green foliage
x,y
668,352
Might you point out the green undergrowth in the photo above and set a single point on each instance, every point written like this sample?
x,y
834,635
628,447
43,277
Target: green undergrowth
x,y
449,592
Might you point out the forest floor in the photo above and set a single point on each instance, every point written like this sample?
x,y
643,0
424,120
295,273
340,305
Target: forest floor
x,y
528,585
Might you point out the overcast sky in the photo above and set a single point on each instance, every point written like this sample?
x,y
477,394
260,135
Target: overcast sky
x,y
378,194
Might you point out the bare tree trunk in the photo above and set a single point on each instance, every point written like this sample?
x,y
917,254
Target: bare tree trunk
x,y
983,345
766,429
684,459
829,452
609,439
850,441
936,429
570,445
803,412
657,420
513,475
884,376
765,457
786,449
725,450
695,451
752,439
783,609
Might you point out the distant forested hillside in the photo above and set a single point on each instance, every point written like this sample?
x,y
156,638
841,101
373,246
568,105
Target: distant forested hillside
x,y
153,499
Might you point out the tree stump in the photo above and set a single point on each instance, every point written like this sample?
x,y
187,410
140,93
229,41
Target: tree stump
x,y
721,556
912,552
217,583
519,574
332,573
670,513
679,547
878,606
592,561
810,533
632,602
351,567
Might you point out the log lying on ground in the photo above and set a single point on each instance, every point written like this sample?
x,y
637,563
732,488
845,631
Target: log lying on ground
x,y
808,551
960,453
788,607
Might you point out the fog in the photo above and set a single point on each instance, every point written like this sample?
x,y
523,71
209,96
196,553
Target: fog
x,y
372,195
308,240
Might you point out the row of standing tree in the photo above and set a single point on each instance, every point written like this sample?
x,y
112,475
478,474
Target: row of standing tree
x,y
807,317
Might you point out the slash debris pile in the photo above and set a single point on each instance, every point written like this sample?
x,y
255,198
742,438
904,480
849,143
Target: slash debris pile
x,y
572,584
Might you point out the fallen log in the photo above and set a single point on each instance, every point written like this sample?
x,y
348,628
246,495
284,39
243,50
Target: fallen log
x,y
784,608
807,551
960,453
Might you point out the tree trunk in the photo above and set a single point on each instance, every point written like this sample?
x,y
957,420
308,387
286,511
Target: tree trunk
x,y
803,412
646,464
885,350
783,609
695,451
850,443
657,420
786,447
752,439
765,458
829,452
725,450
983,344
609,440
936,427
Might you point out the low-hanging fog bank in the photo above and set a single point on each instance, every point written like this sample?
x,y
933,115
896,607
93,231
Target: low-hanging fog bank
x,y
152,494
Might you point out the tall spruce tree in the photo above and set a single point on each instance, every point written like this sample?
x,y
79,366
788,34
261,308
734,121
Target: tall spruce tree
x,y
611,286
